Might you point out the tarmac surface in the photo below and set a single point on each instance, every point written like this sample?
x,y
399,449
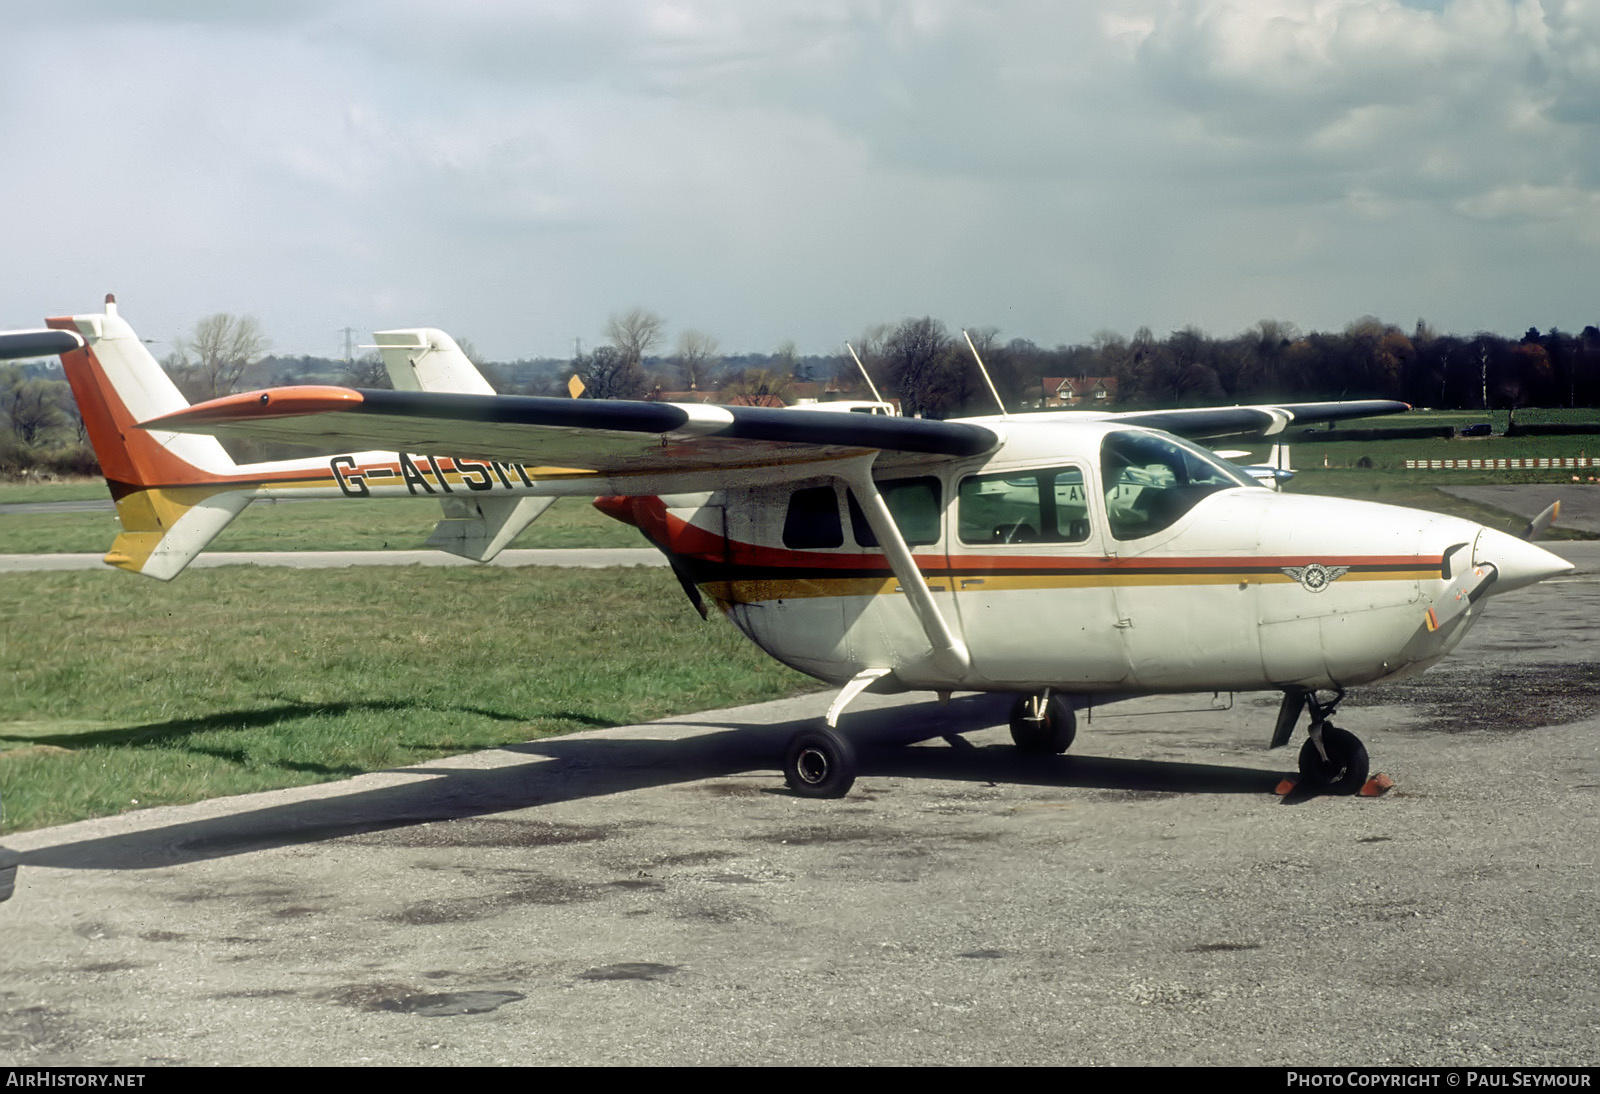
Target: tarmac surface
x,y
1580,505
651,894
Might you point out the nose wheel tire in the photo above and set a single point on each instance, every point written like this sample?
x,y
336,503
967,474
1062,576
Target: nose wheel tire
x,y
1043,726
1343,772
820,763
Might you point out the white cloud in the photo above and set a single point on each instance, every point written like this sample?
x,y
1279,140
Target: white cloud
x,y
776,170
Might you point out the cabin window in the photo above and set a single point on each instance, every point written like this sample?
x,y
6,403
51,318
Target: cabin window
x,y
915,505
813,520
1151,480
1044,506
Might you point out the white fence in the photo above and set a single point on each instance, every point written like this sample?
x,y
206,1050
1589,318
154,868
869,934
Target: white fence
x,y
1546,463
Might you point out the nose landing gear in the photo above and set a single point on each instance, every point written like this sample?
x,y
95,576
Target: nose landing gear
x,y
1333,760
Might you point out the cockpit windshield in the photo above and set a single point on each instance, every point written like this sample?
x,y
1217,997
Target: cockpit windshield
x,y
1152,479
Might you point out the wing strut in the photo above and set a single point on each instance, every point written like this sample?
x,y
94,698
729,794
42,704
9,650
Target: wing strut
x,y
949,652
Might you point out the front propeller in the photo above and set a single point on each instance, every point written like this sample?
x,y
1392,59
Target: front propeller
x,y
1516,561
1468,583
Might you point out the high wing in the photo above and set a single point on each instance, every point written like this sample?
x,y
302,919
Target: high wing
x,y
612,439
1217,422
619,439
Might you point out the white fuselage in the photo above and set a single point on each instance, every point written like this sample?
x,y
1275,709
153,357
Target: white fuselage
x,y
1098,589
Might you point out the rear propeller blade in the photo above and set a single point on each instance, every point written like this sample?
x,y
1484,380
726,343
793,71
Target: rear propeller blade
x,y
1537,526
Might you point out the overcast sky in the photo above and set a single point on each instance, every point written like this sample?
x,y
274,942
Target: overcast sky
x,y
516,172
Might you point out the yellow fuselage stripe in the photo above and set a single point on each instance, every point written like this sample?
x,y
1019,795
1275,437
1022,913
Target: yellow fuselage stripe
x,y
762,589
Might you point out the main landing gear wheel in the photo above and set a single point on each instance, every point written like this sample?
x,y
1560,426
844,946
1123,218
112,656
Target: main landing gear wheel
x,y
1044,725
820,763
1345,769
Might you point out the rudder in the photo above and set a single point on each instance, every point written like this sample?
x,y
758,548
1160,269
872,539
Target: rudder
x,y
172,490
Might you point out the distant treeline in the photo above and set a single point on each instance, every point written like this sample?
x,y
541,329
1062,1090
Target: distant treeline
x,y
927,366
1273,361
1368,359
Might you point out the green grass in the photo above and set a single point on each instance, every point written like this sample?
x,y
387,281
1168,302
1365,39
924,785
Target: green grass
x,y
1540,415
1308,451
329,525
120,692
57,490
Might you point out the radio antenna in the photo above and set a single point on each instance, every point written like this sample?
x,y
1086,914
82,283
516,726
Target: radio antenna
x,y
870,385
985,372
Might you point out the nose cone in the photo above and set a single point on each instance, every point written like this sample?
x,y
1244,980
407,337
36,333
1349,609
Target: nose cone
x,y
1516,562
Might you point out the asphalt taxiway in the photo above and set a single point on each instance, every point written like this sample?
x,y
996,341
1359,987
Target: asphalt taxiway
x,y
1580,505
650,894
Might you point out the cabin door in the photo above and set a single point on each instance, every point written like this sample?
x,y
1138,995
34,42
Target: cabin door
x,y
1027,563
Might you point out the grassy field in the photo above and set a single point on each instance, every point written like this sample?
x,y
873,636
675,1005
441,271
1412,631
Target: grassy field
x,y
120,693
56,490
331,525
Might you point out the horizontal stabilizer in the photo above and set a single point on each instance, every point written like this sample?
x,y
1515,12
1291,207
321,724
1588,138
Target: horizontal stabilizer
x,y
480,528
19,345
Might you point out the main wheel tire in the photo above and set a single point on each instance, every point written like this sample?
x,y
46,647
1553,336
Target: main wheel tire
x,y
820,763
1050,734
1343,772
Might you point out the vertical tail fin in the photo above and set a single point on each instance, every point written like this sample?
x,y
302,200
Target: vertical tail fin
x,y
172,490
427,359
1278,460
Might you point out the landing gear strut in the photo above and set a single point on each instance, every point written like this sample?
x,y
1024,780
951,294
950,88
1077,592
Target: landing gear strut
x,y
820,763
1043,724
1333,760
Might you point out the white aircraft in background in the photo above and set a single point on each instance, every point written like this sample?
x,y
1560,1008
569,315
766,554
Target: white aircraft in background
x,y
1073,558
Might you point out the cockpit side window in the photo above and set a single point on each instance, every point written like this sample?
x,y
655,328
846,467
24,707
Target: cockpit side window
x,y
1037,506
813,519
1150,481
916,505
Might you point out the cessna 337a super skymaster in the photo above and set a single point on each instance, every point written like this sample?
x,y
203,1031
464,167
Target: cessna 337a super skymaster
x,y
1073,558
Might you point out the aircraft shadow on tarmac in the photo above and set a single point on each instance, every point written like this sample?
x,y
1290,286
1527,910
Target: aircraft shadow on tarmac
x,y
579,766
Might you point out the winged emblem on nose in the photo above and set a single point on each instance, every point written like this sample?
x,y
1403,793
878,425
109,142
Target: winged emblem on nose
x,y
1315,577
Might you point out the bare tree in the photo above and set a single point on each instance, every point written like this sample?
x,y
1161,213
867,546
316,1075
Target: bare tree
x,y
761,382
786,359
368,372
606,374
918,358
635,333
869,347
697,358
213,357
32,407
